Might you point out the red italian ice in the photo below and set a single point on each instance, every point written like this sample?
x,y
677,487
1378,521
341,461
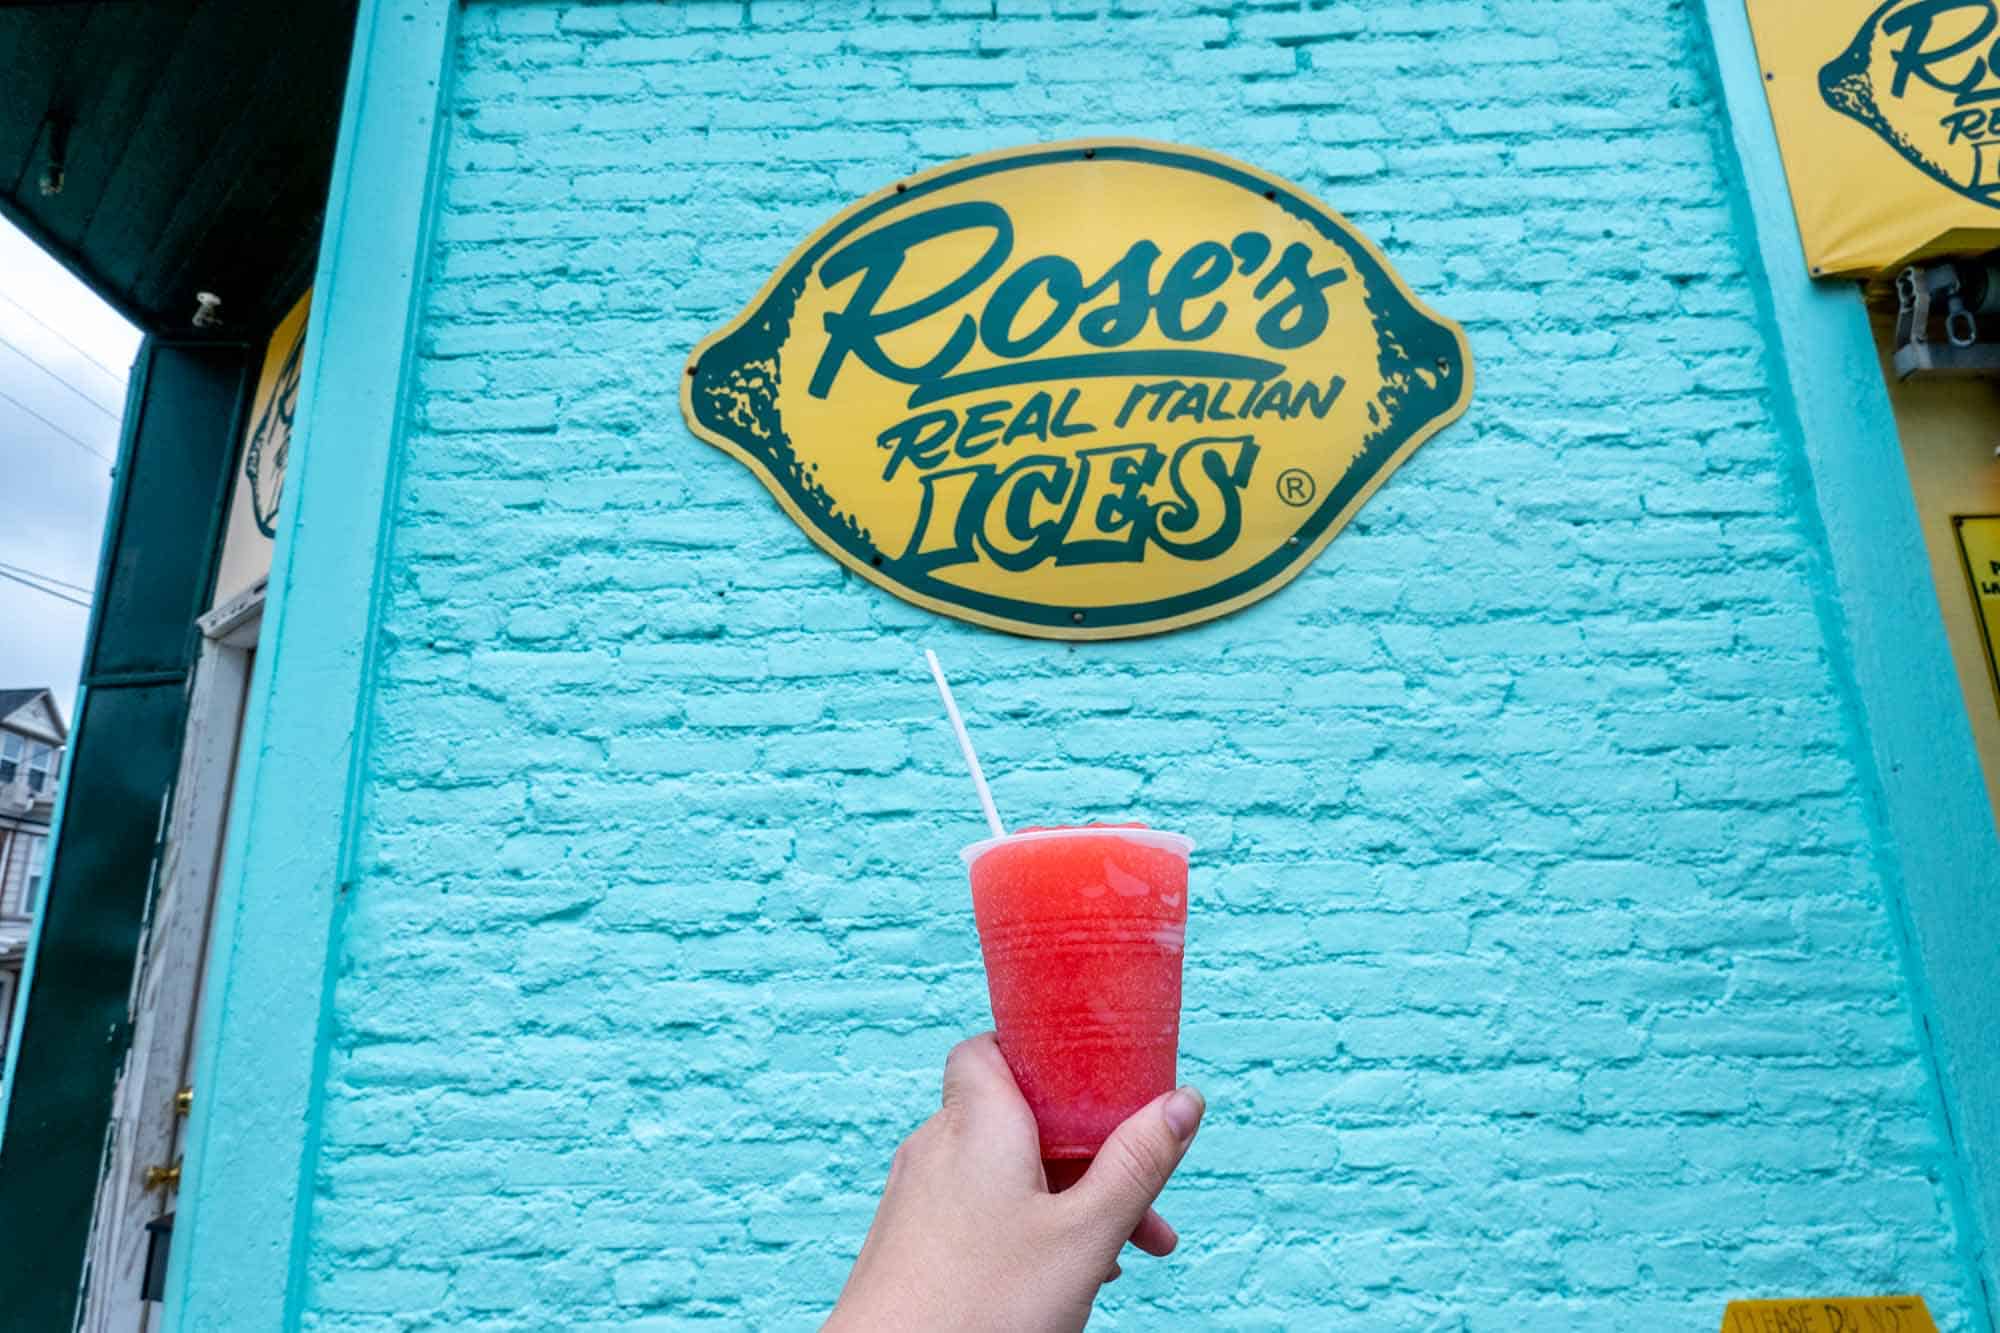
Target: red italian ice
x,y
1083,931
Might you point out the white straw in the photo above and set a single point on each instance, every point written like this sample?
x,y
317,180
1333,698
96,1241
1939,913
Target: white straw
x,y
965,744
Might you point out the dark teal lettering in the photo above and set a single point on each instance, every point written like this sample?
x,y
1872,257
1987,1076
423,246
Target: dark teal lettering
x,y
1121,321
878,257
1065,288
1193,402
1964,124
1310,400
1302,315
982,427
1032,419
1062,426
1105,505
1208,485
1157,392
1115,522
1252,248
921,440
1203,269
1276,401
972,485
1037,476
1916,58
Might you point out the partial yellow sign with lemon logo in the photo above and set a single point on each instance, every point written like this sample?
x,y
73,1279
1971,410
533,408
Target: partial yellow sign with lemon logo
x,y
260,483
1887,120
1084,390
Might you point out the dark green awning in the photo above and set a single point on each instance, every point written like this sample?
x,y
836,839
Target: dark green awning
x,y
194,139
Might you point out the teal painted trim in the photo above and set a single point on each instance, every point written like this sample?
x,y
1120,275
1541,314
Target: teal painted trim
x,y
260,1063
128,434
1935,837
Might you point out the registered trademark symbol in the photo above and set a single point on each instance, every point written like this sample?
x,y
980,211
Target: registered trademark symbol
x,y
1296,487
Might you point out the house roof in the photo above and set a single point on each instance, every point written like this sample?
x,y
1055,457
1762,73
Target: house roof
x,y
13,701
195,139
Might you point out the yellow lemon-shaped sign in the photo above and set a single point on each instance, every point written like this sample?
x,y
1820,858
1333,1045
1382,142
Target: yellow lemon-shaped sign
x,y
1922,75
1082,390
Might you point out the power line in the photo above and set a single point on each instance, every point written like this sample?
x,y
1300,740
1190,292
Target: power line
x,y
54,427
46,578
59,596
46,369
81,351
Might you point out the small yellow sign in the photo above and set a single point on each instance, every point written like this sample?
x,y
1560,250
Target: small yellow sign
x,y
267,443
1840,1314
1979,543
271,416
1081,390
1887,120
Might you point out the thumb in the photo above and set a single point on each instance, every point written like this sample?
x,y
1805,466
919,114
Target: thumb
x,y
1135,1163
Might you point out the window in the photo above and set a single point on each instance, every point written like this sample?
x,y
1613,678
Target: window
x,y
38,852
10,756
41,759
12,876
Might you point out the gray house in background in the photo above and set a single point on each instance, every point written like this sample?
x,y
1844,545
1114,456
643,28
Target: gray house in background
x,y
32,736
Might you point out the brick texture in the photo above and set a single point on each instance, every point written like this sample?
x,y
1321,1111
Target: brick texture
x,y
1539,973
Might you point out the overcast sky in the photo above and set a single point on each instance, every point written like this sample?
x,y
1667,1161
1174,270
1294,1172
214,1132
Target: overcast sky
x,y
64,356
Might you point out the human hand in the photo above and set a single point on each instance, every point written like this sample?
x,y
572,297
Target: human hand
x,y
972,1233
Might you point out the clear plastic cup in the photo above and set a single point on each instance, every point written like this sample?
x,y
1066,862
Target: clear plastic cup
x,y
1083,931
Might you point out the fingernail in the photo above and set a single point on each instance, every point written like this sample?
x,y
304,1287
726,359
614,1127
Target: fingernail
x,y
1183,1111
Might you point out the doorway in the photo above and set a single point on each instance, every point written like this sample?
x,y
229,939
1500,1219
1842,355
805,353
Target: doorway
x,y
132,1219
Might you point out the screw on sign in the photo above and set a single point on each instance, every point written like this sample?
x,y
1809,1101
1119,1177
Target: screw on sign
x,y
1085,390
1845,1314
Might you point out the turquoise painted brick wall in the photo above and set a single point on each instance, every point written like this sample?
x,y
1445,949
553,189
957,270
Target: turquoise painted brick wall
x,y
1539,973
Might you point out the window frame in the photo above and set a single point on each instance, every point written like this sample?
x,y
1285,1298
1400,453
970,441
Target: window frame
x,y
34,872
40,767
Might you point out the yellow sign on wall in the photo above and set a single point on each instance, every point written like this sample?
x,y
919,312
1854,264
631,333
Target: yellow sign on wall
x,y
1083,390
1846,1314
267,444
1979,542
1888,121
